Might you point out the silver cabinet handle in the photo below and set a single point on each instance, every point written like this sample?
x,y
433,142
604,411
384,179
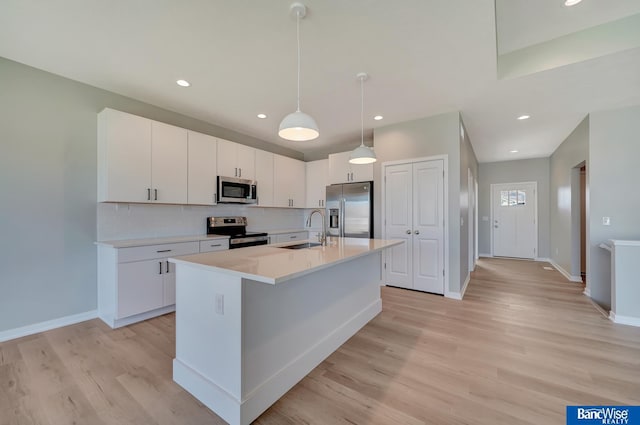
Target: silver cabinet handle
x,y
417,232
167,266
293,237
148,194
236,174
239,172
156,194
408,232
164,250
218,244
160,264
215,197
351,176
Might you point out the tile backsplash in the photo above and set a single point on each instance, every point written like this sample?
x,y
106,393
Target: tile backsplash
x,y
134,221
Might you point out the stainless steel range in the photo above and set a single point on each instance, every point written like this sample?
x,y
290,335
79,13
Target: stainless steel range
x,y
236,229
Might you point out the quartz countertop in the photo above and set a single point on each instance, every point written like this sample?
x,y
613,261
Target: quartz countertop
x,y
277,232
273,264
128,243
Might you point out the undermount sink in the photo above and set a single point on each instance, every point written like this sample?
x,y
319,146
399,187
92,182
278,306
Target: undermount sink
x,y
302,245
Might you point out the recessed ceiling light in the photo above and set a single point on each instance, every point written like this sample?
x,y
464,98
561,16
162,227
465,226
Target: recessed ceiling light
x,y
378,117
524,117
183,83
571,2
513,151
262,116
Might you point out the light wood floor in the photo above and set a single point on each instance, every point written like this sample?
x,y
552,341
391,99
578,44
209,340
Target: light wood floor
x,y
522,345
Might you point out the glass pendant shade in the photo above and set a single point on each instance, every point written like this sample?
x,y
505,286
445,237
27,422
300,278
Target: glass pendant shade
x,y
299,127
362,155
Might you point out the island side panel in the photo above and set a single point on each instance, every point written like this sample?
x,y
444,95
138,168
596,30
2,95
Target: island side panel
x,y
290,328
208,340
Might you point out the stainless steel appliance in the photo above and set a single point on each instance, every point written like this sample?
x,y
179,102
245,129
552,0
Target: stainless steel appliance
x,y
350,210
236,229
237,191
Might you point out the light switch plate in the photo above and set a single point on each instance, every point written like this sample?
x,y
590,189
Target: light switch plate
x,y
606,221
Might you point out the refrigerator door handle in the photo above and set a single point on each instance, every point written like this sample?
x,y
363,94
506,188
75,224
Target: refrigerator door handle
x,y
342,216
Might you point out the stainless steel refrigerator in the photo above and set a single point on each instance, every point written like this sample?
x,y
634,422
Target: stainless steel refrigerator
x,y
350,210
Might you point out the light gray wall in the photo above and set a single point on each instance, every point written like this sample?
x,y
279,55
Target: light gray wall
x,y
525,170
564,197
468,161
437,135
613,175
48,189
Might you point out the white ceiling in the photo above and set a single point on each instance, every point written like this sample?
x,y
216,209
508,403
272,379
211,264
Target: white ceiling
x,y
424,57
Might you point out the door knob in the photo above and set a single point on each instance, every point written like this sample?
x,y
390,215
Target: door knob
x,y
408,232
417,232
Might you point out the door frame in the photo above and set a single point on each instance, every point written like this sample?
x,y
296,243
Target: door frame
x,y
535,213
383,218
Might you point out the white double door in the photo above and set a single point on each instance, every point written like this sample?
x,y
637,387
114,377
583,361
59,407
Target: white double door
x,y
514,227
414,212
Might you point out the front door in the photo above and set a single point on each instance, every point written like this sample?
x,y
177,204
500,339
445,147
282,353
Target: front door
x,y
514,226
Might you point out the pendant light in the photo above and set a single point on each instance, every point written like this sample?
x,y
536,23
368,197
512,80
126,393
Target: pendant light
x,y
298,126
362,154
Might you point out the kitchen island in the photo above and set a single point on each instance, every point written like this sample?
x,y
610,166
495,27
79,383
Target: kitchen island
x,y
252,322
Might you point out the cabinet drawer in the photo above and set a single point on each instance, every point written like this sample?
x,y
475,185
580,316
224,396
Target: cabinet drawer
x,y
214,245
150,252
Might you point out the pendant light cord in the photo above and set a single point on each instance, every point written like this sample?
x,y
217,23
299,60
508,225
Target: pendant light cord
x,y
362,111
298,39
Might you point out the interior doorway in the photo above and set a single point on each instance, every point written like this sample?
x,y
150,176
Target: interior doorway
x,y
583,223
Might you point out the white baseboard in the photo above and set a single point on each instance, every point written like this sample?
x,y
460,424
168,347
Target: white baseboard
x,y
587,291
48,325
565,273
458,295
543,259
624,320
481,255
118,323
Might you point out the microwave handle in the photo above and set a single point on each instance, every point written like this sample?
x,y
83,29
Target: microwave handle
x,y
254,194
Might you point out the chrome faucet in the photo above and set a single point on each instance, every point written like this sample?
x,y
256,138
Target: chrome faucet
x,y
322,237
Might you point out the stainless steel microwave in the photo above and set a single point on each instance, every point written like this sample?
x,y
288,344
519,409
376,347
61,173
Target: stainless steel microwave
x,y
237,191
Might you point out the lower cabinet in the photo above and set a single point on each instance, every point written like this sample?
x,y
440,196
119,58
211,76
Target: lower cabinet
x,y
137,283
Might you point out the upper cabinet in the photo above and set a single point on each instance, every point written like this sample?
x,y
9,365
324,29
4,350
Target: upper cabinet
x,y
236,160
202,181
264,178
140,160
288,182
341,171
317,178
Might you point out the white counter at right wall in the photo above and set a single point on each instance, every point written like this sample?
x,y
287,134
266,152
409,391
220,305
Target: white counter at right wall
x,y
625,281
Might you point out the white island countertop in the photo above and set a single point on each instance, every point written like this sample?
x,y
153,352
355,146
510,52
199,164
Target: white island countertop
x,y
274,264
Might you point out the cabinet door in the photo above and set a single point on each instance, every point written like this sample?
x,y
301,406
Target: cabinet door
x,y
140,287
264,177
202,169
227,159
169,283
124,157
246,162
317,176
339,168
283,175
298,183
361,172
168,163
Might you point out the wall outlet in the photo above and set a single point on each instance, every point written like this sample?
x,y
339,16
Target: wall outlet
x,y
219,307
606,221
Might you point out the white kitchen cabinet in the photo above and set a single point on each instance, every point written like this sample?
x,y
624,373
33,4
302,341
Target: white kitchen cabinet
x,y
341,171
236,160
289,237
168,163
289,182
137,283
264,178
317,179
140,160
202,180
